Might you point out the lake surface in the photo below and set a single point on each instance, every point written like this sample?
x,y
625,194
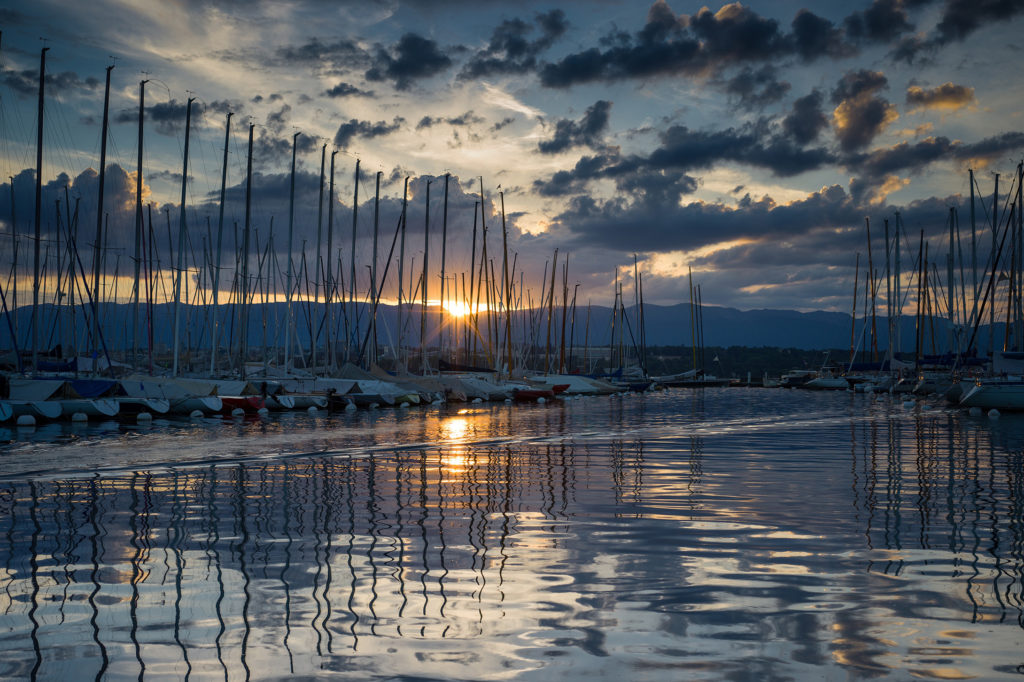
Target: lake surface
x,y
722,533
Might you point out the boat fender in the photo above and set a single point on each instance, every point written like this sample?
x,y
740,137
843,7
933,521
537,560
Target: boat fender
x,y
351,407
196,414
26,420
263,412
79,417
974,411
541,401
312,409
508,400
993,413
374,406
238,412
478,400
404,404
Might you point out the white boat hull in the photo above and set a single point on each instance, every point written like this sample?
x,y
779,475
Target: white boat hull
x,y
1000,396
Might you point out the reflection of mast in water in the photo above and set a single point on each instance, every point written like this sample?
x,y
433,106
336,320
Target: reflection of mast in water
x,y
328,504
424,542
894,497
286,522
175,544
33,561
96,545
350,505
371,505
137,573
8,500
241,515
399,535
213,556
441,506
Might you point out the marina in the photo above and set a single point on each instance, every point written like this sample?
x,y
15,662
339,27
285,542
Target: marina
x,y
680,533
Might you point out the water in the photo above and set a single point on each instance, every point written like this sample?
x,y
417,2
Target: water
x,y
724,533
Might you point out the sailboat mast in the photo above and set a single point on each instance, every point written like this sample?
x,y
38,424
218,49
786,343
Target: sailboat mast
x,y
353,335
373,266
444,252
243,284
426,263
38,214
995,264
97,247
214,336
401,271
329,283
138,229
508,289
181,237
289,331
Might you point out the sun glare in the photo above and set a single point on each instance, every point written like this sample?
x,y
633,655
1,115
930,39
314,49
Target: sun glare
x,y
459,308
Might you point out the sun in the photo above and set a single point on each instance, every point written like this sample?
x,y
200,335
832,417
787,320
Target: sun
x,y
457,308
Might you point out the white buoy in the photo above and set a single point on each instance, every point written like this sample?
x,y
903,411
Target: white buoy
x,y
238,412
196,414
404,404
26,420
993,413
541,401
478,400
312,409
263,412
351,407
374,406
79,417
143,417
975,411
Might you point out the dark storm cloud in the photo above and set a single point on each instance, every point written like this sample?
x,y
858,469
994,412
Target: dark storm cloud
x,y
465,119
806,120
706,42
754,89
960,18
882,22
915,157
756,144
344,89
659,227
412,58
26,82
365,129
566,182
511,50
815,37
945,96
586,132
860,114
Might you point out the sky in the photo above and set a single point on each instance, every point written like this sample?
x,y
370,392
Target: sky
x,y
747,143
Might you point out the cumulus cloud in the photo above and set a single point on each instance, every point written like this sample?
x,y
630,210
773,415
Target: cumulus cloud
x,y
412,58
805,121
586,132
860,114
754,89
946,96
511,49
344,89
365,129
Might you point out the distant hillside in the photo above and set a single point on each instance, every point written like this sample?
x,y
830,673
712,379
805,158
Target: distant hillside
x,y
665,326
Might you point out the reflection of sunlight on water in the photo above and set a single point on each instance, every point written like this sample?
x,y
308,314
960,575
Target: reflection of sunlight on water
x,y
633,538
